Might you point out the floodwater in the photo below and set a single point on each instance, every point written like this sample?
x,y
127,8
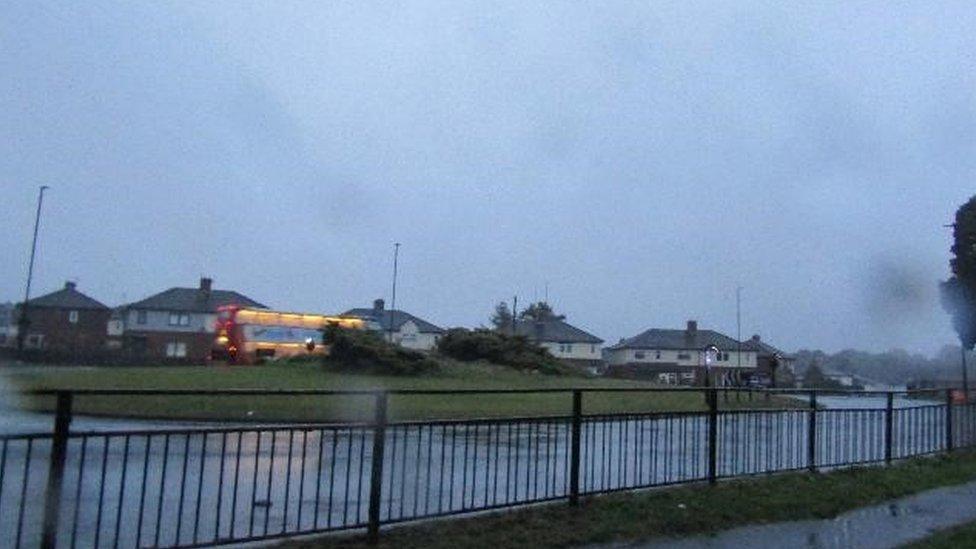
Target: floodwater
x,y
180,484
891,524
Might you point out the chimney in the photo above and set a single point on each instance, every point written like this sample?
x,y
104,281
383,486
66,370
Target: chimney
x,y
69,285
379,305
692,329
203,294
756,338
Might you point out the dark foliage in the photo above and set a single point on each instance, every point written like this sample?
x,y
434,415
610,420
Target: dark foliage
x,y
499,348
815,379
540,311
959,292
359,351
502,318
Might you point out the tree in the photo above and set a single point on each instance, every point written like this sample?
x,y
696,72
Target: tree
x,y
502,317
959,292
540,311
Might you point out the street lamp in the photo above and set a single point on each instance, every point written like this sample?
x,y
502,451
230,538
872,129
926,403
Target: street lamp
x,y
711,355
23,322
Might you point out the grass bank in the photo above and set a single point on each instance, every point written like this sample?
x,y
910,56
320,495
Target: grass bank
x,y
953,538
675,512
454,375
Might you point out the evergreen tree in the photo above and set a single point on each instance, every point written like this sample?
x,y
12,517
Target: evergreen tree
x,y
502,317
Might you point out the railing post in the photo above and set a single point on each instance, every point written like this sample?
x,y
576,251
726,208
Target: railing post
x,y
712,435
812,434
376,472
574,464
948,421
889,416
55,475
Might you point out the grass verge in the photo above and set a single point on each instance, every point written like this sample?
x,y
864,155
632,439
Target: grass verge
x,y
454,375
953,538
680,511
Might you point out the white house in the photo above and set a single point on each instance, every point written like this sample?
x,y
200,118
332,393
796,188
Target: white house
x,y
678,357
408,330
563,340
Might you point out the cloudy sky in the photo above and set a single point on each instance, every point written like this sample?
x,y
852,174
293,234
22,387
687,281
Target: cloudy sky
x,y
640,160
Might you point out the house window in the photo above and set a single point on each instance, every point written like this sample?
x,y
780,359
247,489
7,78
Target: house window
x,y
667,378
684,356
592,349
140,317
35,341
687,378
176,349
73,317
179,319
639,355
657,355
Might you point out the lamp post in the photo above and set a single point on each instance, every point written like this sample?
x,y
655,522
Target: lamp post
x,y
24,322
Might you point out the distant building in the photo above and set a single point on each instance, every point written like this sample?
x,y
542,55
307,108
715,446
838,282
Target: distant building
x,y
408,330
677,357
176,324
65,322
564,341
8,324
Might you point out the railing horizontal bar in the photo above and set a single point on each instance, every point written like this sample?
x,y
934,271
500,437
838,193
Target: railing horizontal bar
x,y
369,392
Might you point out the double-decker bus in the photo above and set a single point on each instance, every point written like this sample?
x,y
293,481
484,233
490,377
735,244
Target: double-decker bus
x,y
246,335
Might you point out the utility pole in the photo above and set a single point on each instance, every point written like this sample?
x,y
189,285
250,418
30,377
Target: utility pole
x,y
514,314
738,322
24,322
396,257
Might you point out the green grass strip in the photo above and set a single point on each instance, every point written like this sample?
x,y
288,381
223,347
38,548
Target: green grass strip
x,y
953,538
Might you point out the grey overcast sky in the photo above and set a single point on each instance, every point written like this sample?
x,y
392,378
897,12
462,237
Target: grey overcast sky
x,y
639,159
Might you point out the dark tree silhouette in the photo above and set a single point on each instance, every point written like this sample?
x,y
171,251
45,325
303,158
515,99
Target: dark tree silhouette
x,y
502,317
959,292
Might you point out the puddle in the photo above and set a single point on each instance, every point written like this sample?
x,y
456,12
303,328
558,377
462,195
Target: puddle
x,y
887,525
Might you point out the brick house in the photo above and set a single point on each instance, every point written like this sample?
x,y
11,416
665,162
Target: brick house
x,y
66,322
766,357
176,324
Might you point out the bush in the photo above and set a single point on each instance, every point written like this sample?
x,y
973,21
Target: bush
x,y
363,352
515,351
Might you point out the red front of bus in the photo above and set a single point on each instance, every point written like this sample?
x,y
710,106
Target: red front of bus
x,y
227,344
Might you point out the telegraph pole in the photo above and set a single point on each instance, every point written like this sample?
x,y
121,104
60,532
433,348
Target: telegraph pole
x,y
738,322
24,322
396,257
514,314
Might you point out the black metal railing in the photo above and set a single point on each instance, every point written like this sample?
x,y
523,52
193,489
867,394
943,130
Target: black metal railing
x,y
185,486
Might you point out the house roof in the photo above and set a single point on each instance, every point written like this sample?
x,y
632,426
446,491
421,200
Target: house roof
x,y
193,300
762,347
383,317
556,331
66,298
679,339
